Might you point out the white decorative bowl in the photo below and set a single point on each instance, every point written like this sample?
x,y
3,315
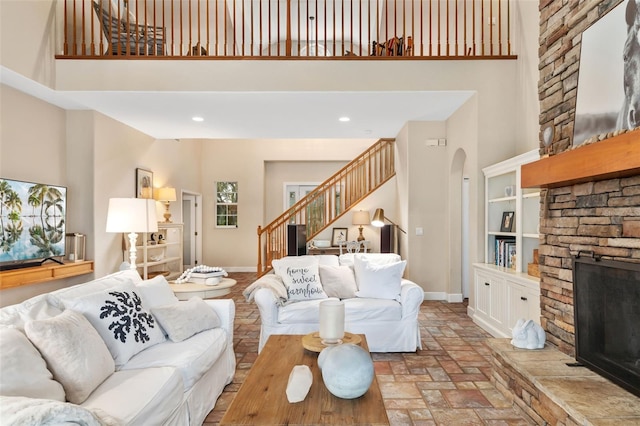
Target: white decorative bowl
x,y
322,243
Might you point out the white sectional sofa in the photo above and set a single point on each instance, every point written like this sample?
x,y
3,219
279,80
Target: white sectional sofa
x,y
378,301
114,351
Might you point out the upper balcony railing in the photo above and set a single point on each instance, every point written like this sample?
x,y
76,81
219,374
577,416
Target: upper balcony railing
x,y
291,29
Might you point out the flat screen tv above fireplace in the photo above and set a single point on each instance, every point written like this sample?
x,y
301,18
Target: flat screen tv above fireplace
x,y
606,297
32,223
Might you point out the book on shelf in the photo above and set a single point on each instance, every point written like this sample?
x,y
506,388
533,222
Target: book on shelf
x,y
505,251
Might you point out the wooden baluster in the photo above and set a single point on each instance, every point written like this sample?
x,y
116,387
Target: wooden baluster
x,y
499,27
482,27
334,27
269,29
288,29
491,27
508,27
260,17
208,26
324,19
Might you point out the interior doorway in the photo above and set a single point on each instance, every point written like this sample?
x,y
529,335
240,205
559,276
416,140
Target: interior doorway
x,y
192,222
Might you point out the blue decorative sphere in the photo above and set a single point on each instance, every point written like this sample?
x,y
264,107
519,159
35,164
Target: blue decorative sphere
x,y
347,370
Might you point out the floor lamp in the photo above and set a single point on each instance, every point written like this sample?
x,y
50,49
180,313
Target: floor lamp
x,y
378,221
132,215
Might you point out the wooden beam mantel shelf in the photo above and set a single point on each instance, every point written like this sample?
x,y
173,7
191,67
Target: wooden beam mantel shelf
x,y
611,158
39,274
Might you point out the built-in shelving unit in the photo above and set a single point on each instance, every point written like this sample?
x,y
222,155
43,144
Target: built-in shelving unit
x,y
159,252
503,290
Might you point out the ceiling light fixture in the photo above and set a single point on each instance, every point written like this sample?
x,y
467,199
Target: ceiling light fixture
x,y
344,119
197,118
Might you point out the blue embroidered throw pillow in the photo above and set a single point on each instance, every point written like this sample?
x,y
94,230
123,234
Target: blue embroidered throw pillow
x,y
121,319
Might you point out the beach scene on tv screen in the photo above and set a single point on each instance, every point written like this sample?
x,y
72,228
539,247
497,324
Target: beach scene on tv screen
x,y
32,220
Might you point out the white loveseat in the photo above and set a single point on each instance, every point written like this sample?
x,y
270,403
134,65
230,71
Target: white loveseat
x,y
56,366
386,311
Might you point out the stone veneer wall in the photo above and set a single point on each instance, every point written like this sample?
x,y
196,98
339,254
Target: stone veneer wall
x,y
603,217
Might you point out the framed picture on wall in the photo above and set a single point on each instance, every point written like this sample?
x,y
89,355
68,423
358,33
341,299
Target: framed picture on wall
x,y
338,235
507,221
144,183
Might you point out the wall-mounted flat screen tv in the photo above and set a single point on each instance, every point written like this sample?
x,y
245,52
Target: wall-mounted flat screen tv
x,y
32,223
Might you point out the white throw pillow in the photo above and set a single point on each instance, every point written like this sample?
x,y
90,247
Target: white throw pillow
x,y
184,319
338,281
156,292
301,277
122,320
378,281
74,351
23,371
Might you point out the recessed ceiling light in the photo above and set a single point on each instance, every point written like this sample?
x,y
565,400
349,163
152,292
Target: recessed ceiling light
x,y
197,118
344,119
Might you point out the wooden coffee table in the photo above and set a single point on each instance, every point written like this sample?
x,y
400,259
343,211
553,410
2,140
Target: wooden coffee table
x,y
262,398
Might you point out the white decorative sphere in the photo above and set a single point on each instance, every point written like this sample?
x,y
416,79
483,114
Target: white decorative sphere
x,y
347,370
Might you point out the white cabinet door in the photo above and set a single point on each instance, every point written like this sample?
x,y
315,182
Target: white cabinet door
x,y
491,309
524,303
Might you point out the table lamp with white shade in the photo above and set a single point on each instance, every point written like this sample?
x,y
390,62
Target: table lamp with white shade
x,y
165,196
132,215
361,218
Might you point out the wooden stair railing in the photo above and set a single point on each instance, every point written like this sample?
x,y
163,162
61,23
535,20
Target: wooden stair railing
x,y
328,201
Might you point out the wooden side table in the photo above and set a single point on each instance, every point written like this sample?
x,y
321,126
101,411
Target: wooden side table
x,y
186,291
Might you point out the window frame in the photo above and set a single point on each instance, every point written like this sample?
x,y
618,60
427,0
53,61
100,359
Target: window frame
x,y
220,202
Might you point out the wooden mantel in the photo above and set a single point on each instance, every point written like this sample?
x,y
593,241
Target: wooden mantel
x,y
611,158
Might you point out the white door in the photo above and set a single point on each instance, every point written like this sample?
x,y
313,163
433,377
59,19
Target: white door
x,y
191,217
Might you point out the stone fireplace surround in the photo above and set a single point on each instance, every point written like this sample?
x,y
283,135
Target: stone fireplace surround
x,y
588,204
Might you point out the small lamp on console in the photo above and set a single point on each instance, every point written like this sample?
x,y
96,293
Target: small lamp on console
x,y
361,218
166,195
132,215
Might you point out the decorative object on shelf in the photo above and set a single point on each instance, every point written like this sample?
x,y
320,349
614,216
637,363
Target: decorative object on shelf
x,y
509,190
361,218
533,267
132,215
347,370
507,221
528,335
331,321
300,380
144,183
207,271
75,245
166,195
338,235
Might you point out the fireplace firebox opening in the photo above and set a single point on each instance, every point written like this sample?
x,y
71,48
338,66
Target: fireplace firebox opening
x,y
606,296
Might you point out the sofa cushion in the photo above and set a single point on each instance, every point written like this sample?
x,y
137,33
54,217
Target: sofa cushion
x,y
361,309
300,276
156,292
184,319
381,281
355,310
300,312
122,320
377,258
37,307
192,357
139,397
57,298
23,371
74,351
338,281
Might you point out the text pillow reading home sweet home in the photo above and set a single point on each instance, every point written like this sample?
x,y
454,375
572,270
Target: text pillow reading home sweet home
x,y
301,278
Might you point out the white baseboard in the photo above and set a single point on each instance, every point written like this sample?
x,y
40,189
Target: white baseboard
x,y
455,298
441,295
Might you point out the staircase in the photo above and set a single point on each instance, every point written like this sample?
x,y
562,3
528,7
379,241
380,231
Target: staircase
x,y
329,201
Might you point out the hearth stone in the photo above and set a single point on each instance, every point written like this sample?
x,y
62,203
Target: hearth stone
x,y
542,385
